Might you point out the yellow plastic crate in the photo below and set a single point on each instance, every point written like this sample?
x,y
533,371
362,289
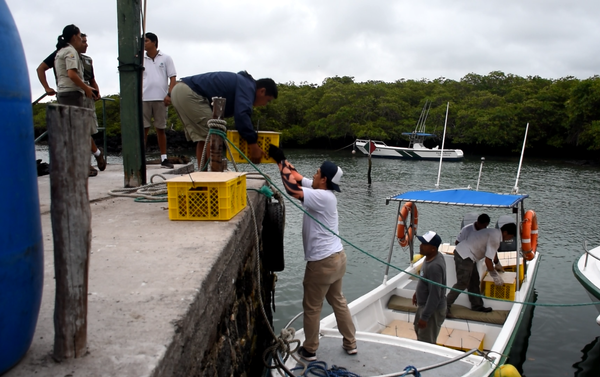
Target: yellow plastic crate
x,y
206,195
265,138
508,259
506,292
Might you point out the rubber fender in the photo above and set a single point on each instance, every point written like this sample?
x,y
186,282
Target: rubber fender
x,y
272,237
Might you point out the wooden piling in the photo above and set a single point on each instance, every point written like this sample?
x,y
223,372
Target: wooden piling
x,y
70,153
216,141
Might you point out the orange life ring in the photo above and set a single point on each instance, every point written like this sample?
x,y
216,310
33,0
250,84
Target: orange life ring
x,y
405,238
529,234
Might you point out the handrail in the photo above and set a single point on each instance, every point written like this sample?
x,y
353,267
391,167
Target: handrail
x,y
587,253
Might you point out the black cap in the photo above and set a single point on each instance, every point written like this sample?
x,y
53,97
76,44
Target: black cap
x,y
333,173
431,238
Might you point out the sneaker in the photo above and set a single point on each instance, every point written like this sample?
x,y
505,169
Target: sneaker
x,y
93,172
353,351
308,356
482,309
101,161
166,164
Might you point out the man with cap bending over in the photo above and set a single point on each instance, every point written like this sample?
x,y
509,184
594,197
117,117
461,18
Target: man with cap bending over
x,y
430,298
479,245
323,251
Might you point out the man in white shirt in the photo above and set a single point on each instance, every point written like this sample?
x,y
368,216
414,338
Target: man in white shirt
x,y
158,82
323,251
479,245
482,222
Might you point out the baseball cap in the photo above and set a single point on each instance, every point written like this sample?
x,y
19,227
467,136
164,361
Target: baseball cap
x,y
430,238
333,173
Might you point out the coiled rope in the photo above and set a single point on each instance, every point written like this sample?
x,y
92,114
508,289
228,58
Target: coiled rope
x,y
151,192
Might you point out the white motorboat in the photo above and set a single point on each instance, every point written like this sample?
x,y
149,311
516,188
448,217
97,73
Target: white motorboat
x,y
587,270
416,149
470,344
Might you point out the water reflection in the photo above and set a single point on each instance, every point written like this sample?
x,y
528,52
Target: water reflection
x,y
589,366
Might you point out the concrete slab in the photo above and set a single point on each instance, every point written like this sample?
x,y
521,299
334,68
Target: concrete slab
x,y
145,274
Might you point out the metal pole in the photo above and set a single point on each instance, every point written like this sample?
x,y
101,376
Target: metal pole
x,y
131,55
480,169
515,189
437,185
387,267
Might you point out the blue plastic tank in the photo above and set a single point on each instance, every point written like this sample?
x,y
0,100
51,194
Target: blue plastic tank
x,y
21,249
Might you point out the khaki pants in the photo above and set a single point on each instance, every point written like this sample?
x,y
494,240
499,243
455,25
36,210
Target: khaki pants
x,y
193,110
323,280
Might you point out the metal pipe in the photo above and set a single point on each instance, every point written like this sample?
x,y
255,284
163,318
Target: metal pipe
x,y
480,169
515,189
387,266
437,185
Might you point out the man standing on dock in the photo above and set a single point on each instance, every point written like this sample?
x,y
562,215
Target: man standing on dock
x,y
479,245
158,82
429,298
323,251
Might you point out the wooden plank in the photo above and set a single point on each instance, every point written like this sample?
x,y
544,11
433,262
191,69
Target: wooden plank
x,y
401,329
69,147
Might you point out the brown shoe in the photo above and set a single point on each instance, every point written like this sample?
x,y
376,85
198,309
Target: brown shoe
x,y
93,172
100,160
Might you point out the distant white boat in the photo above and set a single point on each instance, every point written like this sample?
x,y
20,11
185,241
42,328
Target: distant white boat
x,y
417,152
587,270
416,149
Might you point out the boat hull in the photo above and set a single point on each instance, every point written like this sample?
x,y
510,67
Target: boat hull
x,y
385,151
588,275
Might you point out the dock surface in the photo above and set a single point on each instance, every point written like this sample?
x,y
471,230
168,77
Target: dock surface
x,y
145,274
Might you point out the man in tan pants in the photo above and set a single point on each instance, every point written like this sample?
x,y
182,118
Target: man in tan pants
x,y
323,251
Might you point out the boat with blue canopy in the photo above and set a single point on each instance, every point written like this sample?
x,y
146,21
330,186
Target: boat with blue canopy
x,y
470,343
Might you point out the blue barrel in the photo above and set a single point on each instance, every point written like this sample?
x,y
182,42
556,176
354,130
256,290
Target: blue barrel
x,y
21,249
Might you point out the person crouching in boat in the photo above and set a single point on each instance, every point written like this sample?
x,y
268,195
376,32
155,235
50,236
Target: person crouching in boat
x,y
479,245
429,298
323,251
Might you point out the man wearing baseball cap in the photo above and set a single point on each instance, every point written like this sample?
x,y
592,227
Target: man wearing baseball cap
x,y
430,298
323,251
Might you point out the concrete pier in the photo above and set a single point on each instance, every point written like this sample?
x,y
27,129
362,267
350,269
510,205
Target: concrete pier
x,y
166,298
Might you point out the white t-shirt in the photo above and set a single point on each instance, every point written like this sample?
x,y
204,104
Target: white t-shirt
x,y
318,242
480,244
157,72
465,231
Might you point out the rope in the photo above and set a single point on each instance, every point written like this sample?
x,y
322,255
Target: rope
x,y
284,194
149,193
219,126
411,370
349,145
319,368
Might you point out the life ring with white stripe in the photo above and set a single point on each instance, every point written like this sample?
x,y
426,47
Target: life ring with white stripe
x,y
405,236
529,234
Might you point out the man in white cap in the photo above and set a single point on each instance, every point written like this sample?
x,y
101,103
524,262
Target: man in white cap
x,y
430,298
323,251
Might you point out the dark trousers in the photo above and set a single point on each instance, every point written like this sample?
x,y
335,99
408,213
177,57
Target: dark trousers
x,y
467,277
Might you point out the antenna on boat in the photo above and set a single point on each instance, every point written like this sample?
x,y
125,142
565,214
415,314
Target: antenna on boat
x,y
480,169
515,189
437,185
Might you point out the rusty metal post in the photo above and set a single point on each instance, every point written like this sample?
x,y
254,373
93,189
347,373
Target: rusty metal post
x,y
216,141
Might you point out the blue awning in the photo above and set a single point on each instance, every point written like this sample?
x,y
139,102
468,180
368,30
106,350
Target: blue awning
x,y
417,134
462,197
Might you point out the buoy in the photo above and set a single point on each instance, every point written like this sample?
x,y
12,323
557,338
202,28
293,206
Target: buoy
x,y
21,248
506,370
417,257
353,151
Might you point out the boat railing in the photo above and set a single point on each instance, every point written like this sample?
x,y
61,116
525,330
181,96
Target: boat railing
x,y
587,253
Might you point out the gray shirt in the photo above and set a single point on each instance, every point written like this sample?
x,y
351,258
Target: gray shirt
x,y
67,58
431,296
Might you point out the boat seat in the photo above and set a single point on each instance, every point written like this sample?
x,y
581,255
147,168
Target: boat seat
x,y
497,317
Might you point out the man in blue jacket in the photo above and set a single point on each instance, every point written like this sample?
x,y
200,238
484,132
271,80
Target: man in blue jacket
x,y
192,97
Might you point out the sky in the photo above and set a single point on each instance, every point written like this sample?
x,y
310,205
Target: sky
x,y
307,41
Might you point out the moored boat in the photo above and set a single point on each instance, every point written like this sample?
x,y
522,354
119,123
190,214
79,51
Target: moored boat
x,y
469,344
586,269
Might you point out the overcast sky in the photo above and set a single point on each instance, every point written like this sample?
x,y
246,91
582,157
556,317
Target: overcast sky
x,y
310,40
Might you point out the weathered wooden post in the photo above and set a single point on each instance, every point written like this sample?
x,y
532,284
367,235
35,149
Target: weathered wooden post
x,y
69,142
216,142
369,170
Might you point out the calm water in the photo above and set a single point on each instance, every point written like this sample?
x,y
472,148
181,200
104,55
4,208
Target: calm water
x,y
566,197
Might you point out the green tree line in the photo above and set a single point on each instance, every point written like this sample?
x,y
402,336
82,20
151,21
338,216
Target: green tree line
x,y
486,112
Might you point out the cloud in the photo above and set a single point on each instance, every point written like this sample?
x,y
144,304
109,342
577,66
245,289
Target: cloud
x,y
311,40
